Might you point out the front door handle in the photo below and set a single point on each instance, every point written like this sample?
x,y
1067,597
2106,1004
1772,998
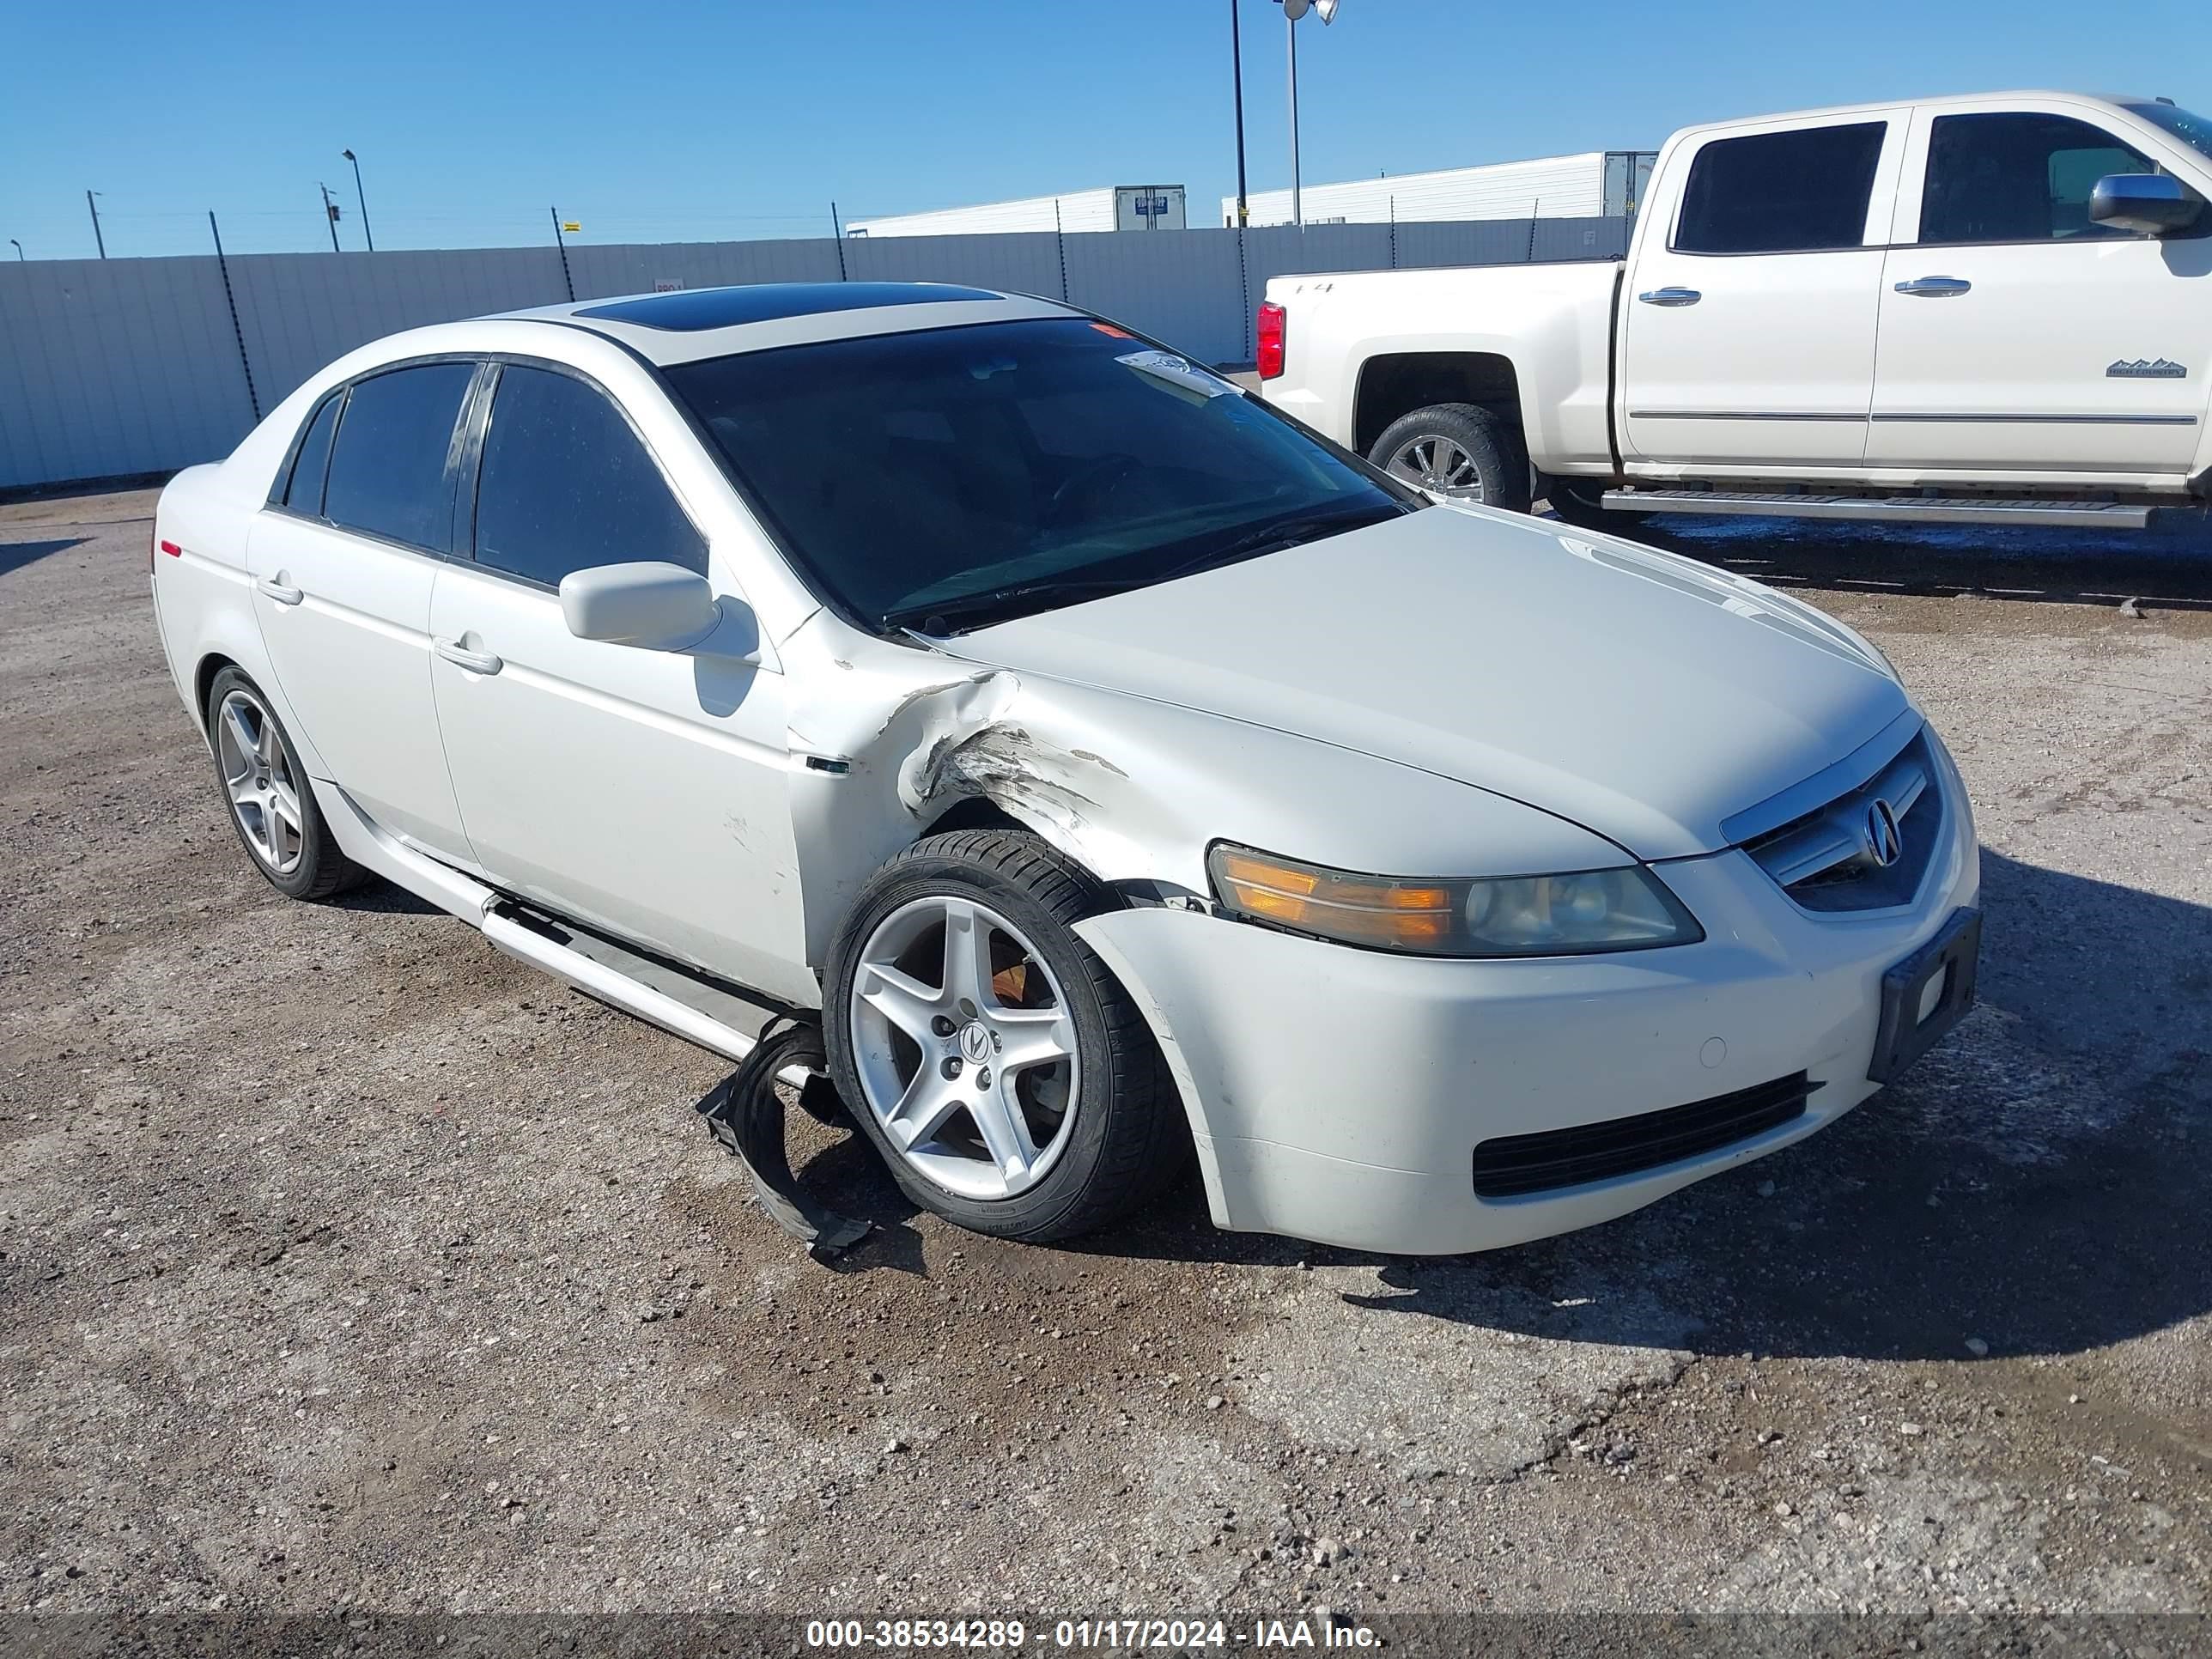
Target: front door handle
x,y
1671,296
271,589
1934,287
477,662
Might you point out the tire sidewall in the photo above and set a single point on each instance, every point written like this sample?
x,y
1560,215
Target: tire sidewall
x,y
1493,445
315,838
1074,967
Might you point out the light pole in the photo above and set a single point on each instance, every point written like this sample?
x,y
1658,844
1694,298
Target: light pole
x,y
1292,10
18,246
1237,76
330,215
367,235
98,240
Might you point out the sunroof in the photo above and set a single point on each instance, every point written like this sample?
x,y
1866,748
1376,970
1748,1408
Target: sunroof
x,y
693,309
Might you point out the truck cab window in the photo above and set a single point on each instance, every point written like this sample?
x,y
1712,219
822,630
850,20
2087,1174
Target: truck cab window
x,y
1800,191
2017,177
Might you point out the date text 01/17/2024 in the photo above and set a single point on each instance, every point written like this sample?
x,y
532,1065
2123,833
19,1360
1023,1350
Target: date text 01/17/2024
x,y
1086,1635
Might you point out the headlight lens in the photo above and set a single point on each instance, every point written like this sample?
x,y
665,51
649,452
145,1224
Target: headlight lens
x,y
1571,914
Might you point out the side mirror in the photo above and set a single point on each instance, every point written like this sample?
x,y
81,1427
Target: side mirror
x,y
652,606
2150,202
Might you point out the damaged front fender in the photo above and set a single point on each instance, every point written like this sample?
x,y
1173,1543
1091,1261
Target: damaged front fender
x,y
889,740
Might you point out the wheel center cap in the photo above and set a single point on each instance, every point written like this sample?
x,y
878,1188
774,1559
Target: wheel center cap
x,y
975,1042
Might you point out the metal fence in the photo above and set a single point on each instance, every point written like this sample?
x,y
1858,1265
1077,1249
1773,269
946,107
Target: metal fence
x,y
123,366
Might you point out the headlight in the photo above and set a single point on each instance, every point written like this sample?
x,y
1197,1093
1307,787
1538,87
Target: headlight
x,y
1568,914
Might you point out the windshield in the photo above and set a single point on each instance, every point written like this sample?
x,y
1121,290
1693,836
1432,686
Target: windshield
x,y
953,477
2193,130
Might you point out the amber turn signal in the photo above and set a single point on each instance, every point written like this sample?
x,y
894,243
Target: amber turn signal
x,y
1370,910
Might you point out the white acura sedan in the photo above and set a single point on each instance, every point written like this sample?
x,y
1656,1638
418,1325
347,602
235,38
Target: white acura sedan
x,y
1122,771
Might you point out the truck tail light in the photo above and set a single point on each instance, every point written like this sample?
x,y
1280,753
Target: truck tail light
x,y
1273,325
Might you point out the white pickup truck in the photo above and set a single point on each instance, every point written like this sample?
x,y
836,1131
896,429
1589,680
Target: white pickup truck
x,y
1983,309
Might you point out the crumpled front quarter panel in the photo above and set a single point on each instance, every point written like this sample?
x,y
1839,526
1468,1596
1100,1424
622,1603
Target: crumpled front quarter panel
x,y
887,740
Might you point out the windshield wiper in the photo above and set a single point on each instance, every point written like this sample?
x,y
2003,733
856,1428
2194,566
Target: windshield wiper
x,y
1269,538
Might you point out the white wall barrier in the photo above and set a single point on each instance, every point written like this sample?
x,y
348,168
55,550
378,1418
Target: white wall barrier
x,y
114,367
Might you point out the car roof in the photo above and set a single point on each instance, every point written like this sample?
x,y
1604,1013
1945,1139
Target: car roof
x,y
691,324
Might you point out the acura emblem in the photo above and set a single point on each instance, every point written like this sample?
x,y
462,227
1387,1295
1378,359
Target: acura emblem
x,y
975,1042
1885,843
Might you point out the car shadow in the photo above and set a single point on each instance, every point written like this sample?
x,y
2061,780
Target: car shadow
x,y
2037,1183
377,897
840,1168
2166,568
14,555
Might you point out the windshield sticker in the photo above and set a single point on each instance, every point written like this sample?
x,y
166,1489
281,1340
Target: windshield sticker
x,y
1179,372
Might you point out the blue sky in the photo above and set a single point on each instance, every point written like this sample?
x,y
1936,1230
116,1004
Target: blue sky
x,y
656,122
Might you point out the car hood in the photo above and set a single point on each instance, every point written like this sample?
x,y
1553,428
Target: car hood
x,y
1645,696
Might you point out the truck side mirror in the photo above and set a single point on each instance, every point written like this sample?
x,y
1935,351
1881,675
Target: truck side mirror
x,y
2151,203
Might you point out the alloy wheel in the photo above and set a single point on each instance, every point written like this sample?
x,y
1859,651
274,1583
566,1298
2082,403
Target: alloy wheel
x,y
965,1047
258,775
1435,462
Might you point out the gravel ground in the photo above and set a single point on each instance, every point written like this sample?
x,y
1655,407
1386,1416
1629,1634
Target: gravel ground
x,y
346,1264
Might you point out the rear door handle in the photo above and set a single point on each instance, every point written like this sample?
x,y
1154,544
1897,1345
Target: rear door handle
x,y
477,662
277,591
1671,296
1934,287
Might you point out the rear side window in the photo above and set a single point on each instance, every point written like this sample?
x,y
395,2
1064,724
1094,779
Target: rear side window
x,y
2017,177
388,467
303,491
565,485
1781,192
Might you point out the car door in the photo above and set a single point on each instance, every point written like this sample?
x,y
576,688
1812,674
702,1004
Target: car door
x,y
640,792
2016,334
343,562
1748,323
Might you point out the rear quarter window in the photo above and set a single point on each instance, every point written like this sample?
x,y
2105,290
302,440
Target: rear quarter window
x,y
302,489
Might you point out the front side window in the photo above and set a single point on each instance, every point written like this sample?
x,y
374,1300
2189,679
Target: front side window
x,y
1800,191
565,485
962,476
388,474
2017,177
303,490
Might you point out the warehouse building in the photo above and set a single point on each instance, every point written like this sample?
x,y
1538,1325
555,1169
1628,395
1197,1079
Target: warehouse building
x,y
1112,207
1597,183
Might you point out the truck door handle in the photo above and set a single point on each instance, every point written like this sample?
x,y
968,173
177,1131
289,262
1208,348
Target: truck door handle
x,y
1671,296
270,589
1934,287
477,662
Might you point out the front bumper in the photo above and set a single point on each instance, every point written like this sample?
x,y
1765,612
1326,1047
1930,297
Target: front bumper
x,y
1338,1095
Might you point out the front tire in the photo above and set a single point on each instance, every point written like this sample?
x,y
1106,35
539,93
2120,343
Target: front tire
x,y
1460,451
271,803
1005,1077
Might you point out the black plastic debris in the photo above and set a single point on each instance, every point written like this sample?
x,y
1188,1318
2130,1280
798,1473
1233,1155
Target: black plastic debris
x,y
745,1114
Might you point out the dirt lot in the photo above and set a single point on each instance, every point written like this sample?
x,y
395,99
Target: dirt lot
x,y
346,1264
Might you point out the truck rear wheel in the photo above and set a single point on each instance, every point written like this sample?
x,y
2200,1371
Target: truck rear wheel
x,y
1576,500
1460,451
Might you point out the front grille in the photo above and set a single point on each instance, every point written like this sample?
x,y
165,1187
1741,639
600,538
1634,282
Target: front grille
x,y
1511,1165
1825,860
